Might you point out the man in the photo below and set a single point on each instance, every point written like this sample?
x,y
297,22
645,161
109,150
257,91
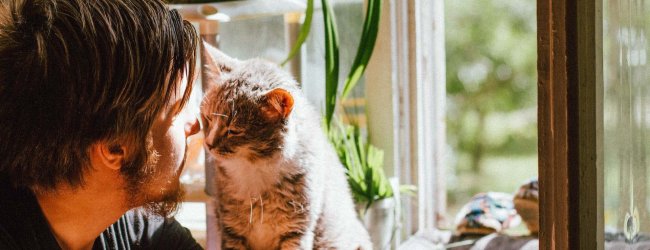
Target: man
x,y
93,130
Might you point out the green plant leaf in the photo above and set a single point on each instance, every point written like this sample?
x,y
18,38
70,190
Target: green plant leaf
x,y
370,191
362,161
366,46
408,190
331,62
355,187
304,32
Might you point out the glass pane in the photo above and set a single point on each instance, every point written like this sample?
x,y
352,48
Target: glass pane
x,y
627,123
491,99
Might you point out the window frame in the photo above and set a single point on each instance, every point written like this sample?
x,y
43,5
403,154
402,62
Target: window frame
x,y
570,122
569,112
409,60
570,127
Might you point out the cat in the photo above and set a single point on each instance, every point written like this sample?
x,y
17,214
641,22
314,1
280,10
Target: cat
x,y
279,182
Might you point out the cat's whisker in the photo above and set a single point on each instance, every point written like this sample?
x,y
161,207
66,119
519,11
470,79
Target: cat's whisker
x,y
250,215
234,111
262,213
217,114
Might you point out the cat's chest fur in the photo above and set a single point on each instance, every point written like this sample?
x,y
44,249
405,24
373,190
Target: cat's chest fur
x,y
263,200
245,179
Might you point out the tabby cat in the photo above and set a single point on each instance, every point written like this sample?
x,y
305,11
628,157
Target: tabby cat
x,y
279,182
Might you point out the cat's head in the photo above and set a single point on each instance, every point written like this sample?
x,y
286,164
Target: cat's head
x,y
247,106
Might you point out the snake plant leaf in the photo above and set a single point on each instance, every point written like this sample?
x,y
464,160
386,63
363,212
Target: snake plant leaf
x,y
366,46
331,61
304,32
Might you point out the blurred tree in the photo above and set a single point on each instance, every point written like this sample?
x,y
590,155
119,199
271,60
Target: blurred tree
x,y
491,72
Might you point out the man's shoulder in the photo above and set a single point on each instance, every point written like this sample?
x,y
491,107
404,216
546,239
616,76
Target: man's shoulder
x,y
22,224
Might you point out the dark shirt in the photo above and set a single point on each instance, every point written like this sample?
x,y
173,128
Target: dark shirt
x,y
23,226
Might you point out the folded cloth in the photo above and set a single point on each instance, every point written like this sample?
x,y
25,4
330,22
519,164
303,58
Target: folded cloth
x,y
486,213
526,201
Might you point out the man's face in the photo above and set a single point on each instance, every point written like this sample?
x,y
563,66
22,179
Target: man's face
x,y
162,191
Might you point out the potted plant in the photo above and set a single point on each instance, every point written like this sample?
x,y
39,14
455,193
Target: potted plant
x,y
374,194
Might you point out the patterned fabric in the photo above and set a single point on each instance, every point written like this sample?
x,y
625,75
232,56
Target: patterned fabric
x,y
487,213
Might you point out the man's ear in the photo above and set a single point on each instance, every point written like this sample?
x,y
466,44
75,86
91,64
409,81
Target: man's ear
x,y
108,155
279,104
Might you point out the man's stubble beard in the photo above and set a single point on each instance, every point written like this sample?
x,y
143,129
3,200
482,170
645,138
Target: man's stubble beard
x,y
141,173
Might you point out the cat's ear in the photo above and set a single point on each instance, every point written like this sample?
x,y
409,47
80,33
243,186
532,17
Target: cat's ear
x,y
215,61
279,104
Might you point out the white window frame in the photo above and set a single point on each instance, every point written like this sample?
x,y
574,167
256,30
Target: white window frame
x,y
409,60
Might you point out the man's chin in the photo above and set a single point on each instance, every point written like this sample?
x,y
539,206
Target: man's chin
x,y
165,204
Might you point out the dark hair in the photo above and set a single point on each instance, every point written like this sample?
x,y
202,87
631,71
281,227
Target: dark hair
x,y
76,72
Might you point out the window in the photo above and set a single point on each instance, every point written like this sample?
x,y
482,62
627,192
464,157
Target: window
x,y
626,115
491,98
401,102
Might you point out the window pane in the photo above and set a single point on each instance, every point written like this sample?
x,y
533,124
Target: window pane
x,y
491,98
626,122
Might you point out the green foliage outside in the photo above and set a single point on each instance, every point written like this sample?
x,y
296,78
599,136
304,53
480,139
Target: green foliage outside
x,y
492,95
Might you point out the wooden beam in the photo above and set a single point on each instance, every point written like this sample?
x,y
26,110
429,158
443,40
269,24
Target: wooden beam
x,y
570,123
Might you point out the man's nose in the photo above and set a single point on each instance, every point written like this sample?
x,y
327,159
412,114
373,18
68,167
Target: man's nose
x,y
192,127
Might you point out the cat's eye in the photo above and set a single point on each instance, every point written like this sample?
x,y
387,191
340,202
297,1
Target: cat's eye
x,y
235,132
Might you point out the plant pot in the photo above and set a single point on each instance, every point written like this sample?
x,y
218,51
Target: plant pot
x,y
379,219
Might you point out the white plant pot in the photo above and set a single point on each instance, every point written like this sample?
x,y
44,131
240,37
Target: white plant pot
x,y
379,219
